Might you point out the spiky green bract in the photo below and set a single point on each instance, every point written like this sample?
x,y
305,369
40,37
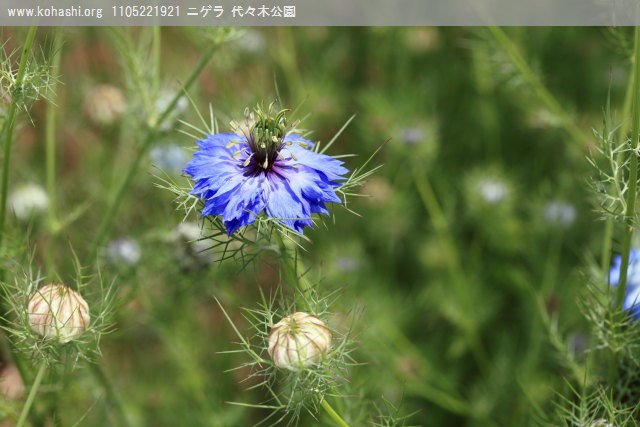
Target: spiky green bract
x,y
85,347
36,82
291,394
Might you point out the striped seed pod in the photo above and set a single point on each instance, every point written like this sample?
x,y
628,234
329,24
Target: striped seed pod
x,y
58,312
299,341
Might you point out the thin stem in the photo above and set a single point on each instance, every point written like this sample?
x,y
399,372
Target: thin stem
x,y
630,212
9,126
112,209
112,395
633,179
32,395
333,414
437,216
299,285
155,55
605,259
538,87
50,140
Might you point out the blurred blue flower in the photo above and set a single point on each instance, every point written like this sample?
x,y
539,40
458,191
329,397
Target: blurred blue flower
x,y
633,272
413,135
632,301
171,158
632,298
240,176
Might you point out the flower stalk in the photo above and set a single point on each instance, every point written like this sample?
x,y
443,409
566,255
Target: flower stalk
x,y
337,419
32,394
112,396
630,212
7,131
50,141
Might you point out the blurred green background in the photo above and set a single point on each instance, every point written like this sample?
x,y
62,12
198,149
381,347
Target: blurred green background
x,y
472,235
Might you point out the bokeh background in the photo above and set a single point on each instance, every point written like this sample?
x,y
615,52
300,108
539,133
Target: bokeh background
x,y
470,246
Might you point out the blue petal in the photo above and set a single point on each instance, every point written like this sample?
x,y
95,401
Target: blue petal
x,y
247,201
220,140
632,301
327,165
283,204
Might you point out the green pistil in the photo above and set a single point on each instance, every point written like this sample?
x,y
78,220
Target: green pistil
x,y
267,136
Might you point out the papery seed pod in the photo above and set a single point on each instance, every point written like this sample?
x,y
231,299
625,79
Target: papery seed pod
x,y
104,105
58,312
299,341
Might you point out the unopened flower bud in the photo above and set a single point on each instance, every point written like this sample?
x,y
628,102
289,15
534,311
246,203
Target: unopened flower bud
x,y
298,341
58,312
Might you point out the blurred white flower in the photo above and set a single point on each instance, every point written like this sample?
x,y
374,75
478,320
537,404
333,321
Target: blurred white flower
x,y
493,190
299,341
58,312
124,252
28,200
252,41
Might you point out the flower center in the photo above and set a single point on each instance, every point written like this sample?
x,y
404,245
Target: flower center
x,y
266,140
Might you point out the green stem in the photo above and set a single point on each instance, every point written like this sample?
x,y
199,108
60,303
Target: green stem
x,y
155,55
333,414
465,322
112,209
299,285
50,139
32,394
538,87
605,259
112,395
9,126
622,137
630,212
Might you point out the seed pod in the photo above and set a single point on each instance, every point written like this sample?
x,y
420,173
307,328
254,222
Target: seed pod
x,y
105,104
298,341
58,312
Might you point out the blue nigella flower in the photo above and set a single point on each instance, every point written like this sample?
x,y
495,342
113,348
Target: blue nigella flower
x,y
632,298
264,169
